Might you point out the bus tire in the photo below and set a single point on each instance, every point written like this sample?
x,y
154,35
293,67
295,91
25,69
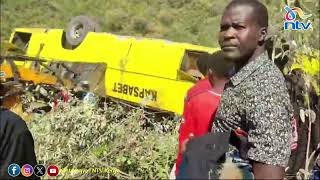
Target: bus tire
x,y
78,28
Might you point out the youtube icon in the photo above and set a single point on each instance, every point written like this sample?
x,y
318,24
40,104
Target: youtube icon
x,y
53,170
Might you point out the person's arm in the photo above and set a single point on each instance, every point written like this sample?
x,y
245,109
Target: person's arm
x,y
24,149
184,133
265,171
268,117
19,148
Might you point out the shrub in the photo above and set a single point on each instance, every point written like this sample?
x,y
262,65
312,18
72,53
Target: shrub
x,y
83,136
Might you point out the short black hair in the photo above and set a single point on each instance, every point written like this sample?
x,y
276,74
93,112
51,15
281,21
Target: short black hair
x,y
202,63
220,65
260,10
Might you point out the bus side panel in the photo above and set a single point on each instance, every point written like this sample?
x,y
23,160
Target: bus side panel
x,y
159,93
154,57
96,48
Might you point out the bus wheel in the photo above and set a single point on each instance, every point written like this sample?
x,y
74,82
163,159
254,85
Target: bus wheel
x,y
78,28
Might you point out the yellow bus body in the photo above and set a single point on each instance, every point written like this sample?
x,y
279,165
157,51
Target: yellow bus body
x,y
138,70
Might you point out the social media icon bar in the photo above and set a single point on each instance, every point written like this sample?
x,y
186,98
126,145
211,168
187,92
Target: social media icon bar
x,y
39,170
53,170
27,170
14,170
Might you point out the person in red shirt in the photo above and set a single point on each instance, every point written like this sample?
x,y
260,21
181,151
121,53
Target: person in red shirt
x,y
202,101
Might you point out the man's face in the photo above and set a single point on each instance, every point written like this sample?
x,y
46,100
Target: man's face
x,y
239,33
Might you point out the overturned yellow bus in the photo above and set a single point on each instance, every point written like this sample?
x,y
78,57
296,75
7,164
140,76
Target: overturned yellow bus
x,y
153,72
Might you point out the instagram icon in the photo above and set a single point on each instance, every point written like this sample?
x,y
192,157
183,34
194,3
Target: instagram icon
x,y
26,170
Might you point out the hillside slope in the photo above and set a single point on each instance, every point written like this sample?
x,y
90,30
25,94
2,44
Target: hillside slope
x,y
194,21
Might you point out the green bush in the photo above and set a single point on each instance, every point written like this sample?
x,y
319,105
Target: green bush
x,y
84,136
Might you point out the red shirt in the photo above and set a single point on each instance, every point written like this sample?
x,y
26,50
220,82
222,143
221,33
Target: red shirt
x,y
200,105
199,87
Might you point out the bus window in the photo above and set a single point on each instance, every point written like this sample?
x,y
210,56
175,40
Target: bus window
x,y
193,66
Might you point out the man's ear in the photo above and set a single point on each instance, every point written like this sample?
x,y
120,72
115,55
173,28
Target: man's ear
x,y
263,34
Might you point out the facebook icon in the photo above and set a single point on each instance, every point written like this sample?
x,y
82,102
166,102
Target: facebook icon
x,y
14,170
